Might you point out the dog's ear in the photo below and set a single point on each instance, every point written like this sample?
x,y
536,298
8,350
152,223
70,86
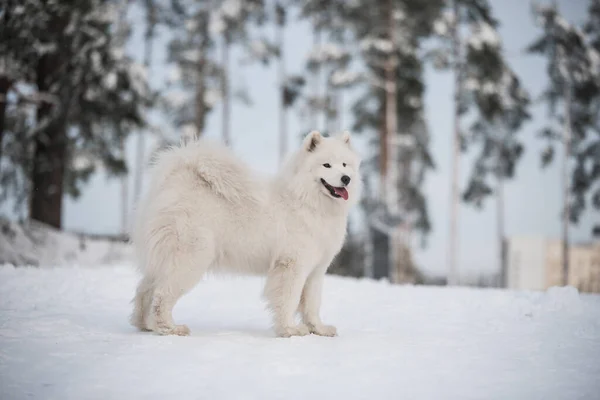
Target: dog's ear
x,y
312,140
345,137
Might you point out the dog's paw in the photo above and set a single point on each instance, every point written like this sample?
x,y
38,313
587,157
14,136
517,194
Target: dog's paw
x,y
179,330
288,331
323,330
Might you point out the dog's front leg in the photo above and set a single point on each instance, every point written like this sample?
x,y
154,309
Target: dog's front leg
x,y
282,291
310,304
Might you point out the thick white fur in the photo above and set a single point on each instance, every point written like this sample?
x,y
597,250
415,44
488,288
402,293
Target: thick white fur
x,y
206,212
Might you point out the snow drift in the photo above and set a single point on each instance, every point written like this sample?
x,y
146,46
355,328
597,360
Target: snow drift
x,y
36,244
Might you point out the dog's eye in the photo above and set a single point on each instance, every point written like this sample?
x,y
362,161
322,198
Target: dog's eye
x,y
327,165
344,164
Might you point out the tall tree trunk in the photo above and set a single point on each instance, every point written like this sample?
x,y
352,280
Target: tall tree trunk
x,y
392,198
120,40
47,178
329,98
4,85
140,161
383,149
200,114
200,94
500,230
368,247
566,183
453,242
339,106
226,115
50,144
281,77
316,89
124,191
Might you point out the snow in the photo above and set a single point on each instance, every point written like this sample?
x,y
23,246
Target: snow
x,y
176,98
64,334
139,78
81,161
96,61
503,88
326,52
231,8
188,131
489,87
383,45
45,48
344,77
259,49
106,13
191,25
191,55
443,24
173,74
216,25
594,60
212,97
117,53
484,34
471,84
36,244
414,101
399,15
562,23
440,28
91,94
110,80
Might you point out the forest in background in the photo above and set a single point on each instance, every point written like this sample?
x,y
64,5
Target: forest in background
x,y
70,96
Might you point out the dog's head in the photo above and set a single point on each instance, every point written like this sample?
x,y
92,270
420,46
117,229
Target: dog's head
x,y
333,166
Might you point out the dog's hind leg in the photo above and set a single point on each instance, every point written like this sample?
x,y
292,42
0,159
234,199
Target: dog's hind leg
x,y
167,292
187,264
141,304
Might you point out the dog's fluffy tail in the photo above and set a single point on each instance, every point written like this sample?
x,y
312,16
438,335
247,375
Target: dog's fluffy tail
x,y
216,166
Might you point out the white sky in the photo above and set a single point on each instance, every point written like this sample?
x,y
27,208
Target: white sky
x,y
533,199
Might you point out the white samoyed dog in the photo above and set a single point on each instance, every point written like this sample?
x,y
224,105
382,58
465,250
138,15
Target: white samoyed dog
x,y
206,212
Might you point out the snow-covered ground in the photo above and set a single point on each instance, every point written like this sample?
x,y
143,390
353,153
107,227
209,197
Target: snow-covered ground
x,y
33,243
64,335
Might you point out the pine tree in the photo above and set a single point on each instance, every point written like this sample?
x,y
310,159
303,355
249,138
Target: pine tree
x,y
588,161
280,21
449,28
500,106
194,76
231,21
152,14
86,94
289,86
573,96
392,106
121,35
198,27
17,48
328,61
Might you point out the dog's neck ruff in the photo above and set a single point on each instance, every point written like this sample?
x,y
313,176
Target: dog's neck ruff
x,y
314,200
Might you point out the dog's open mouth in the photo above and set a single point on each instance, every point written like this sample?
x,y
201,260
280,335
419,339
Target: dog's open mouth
x,y
336,192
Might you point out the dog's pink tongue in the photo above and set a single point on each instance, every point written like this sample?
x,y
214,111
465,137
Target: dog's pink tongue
x,y
341,192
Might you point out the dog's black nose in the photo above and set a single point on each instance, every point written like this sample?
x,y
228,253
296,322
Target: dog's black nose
x,y
345,179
